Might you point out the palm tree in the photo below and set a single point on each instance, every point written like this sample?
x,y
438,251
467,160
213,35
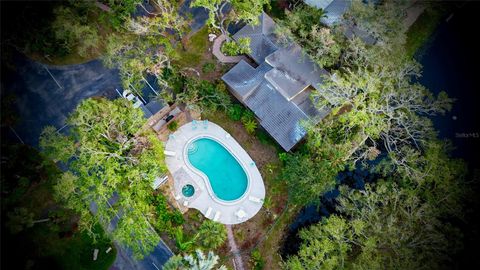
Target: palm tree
x,y
183,243
190,262
212,234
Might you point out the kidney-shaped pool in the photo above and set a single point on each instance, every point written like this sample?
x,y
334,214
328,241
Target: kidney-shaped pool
x,y
226,176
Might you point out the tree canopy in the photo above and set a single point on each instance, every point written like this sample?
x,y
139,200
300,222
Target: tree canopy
x,y
111,174
145,46
303,26
221,12
380,227
195,261
376,104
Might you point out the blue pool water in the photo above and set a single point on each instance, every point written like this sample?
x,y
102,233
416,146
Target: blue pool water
x,y
227,177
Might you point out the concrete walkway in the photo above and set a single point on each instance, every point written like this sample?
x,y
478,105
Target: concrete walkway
x,y
237,259
217,43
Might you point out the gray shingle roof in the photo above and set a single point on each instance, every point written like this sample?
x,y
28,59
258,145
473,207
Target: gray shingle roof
x,y
280,118
297,65
335,11
261,42
243,78
277,91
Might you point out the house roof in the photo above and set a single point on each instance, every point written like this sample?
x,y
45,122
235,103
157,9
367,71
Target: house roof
x,y
278,90
243,78
297,65
280,118
262,42
334,9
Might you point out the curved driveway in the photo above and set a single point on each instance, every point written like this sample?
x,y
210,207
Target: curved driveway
x,y
46,95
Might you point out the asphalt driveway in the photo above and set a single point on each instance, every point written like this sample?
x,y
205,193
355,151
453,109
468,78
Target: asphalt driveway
x,y
46,95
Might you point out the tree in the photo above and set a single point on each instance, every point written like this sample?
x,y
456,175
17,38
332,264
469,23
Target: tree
x,y
381,227
211,234
183,242
308,176
219,13
193,262
145,48
74,32
432,174
383,103
119,11
200,95
56,146
321,43
384,21
21,218
325,246
113,160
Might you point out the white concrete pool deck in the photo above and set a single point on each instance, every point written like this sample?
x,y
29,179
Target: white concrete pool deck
x,y
204,199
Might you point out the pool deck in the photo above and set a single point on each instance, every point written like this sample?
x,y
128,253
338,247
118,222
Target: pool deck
x,y
184,173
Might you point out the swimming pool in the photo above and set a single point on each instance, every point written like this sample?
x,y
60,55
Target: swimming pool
x,y
226,176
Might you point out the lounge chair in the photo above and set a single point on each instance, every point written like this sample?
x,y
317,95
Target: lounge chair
x,y
205,124
185,203
255,199
240,214
169,153
209,211
125,93
194,124
138,103
177,197
228,136
217,216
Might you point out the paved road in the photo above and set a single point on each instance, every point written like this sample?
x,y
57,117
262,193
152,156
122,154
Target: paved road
x,y
154,261
46,95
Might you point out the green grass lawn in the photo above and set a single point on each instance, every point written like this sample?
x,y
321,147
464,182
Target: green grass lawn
x,y
195,48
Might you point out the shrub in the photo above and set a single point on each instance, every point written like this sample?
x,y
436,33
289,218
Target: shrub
x,y
173,126
235,112
257,260
211,234
244,45
232,48
229,48
249,121
250,126
208,67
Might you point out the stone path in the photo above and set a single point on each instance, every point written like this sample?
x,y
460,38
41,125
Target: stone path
x,y
237,259
217,43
